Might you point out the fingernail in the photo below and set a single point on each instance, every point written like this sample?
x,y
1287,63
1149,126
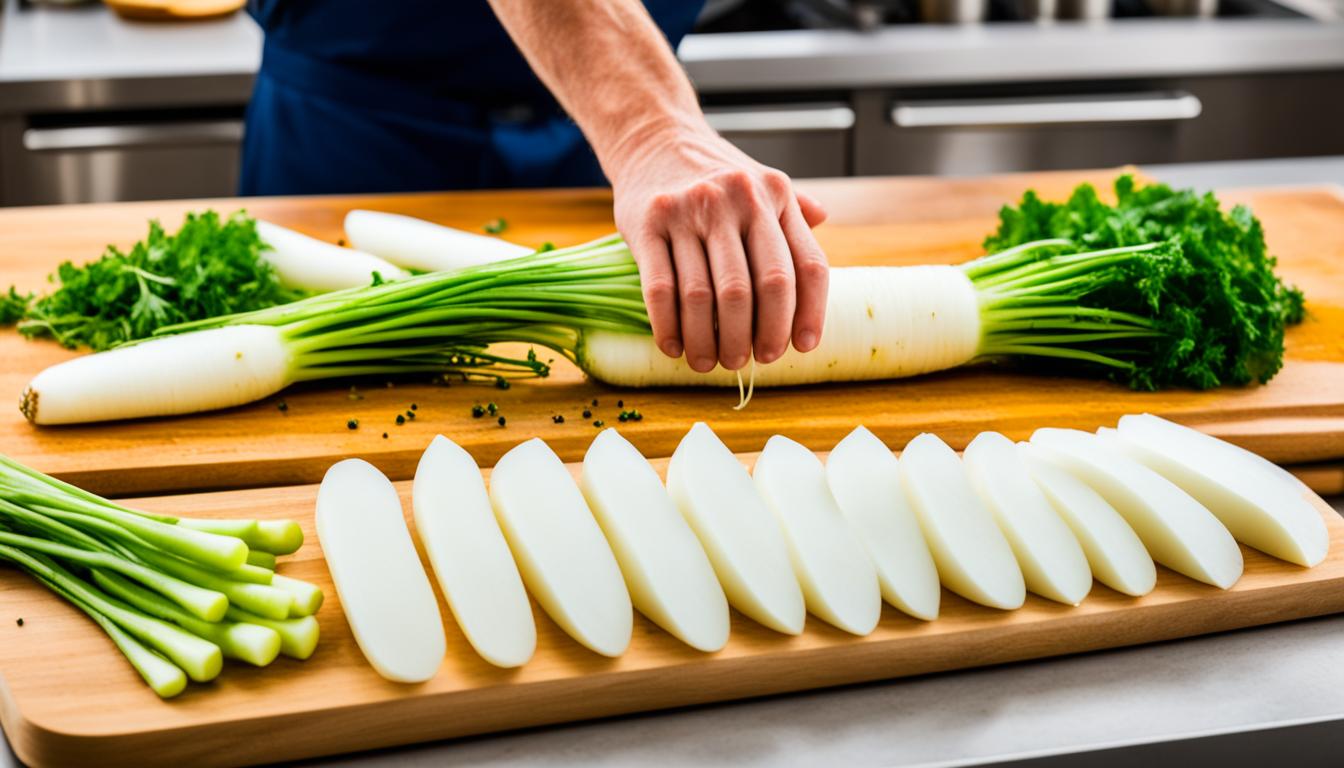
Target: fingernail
x,y
806,341
766,357
704,364
735,362
672,348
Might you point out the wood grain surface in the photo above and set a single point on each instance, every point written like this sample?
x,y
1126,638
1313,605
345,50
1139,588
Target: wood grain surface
x,y
1299,417
67,697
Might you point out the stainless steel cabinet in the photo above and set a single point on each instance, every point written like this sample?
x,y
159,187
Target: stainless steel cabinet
x,y
135,158
1020,127
809,139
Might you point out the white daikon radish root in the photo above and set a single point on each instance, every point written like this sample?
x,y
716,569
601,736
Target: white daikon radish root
x,y
471,559
384,591
310,264
216,368
565,562
1051,559
1177,531
974,559
864,477
666,570
838,578
1114,552
740,535
1257,506
423,245
881,323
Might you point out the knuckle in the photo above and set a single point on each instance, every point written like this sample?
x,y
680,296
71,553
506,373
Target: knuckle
x,y
734,291
663,205
659,289
777,182
813,270
776,282
706,194
696,293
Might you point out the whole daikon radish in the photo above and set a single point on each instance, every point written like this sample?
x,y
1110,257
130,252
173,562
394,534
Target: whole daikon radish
x,y
423,245
310,264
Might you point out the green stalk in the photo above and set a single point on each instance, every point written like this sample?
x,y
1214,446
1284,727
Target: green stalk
x,y
200,659
307,597
298,637
206,604
261,559
162,676
252,643
261,598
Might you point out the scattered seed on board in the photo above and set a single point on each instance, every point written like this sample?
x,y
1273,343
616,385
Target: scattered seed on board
x,y
400,419
477,411
19,622
599,423
501,421
352,424
558,418
282,406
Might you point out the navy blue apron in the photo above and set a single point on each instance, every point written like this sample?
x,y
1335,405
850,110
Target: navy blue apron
x,y
408,95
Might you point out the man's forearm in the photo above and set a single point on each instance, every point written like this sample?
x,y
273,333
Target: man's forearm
x,y
609,66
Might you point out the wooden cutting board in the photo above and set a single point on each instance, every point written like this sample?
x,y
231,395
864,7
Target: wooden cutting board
x,y
67,698
1299,417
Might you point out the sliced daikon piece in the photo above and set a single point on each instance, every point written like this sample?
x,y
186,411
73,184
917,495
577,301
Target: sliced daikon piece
x,y
1177,531
1114,552
385,593
973,557
1258,506
470,556
563,557
745,545
666,570
838,578
864,477
1051,559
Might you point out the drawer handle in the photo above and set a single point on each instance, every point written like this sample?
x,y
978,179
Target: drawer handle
x,y
1047,110
91,137
781,118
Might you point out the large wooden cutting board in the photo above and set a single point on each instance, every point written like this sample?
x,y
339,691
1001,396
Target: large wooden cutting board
x,y
1299,417
67,698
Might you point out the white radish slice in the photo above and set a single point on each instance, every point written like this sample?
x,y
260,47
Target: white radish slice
x,y
310,264
384,591
1051,559
1175,529
564,560
1256,505
418,244
1114,552
864,477
973,557
666,570
838,578
715,494
470,556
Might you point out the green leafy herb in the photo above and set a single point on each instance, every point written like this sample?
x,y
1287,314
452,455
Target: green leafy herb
x,y
1190,299
495,226
210,267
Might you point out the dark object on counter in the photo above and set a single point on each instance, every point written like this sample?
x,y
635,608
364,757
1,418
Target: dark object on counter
x,y
352,424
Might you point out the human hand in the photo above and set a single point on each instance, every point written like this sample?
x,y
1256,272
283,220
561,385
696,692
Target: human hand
x,y
724,247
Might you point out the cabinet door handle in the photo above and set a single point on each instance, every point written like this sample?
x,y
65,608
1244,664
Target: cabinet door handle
x,y
92,137
781,118
1047,110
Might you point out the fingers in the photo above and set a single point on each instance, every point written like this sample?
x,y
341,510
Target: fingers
x,y
813,212
732,295
660,292
812,276
773,279
695,294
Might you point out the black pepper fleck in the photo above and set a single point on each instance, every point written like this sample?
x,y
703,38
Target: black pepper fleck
x,y
384,435
410,414
587,414
282,406
400,419
502,383
599,423
501,421
414,407
19,622
558,418
352,424
620,403
594,402
477,411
